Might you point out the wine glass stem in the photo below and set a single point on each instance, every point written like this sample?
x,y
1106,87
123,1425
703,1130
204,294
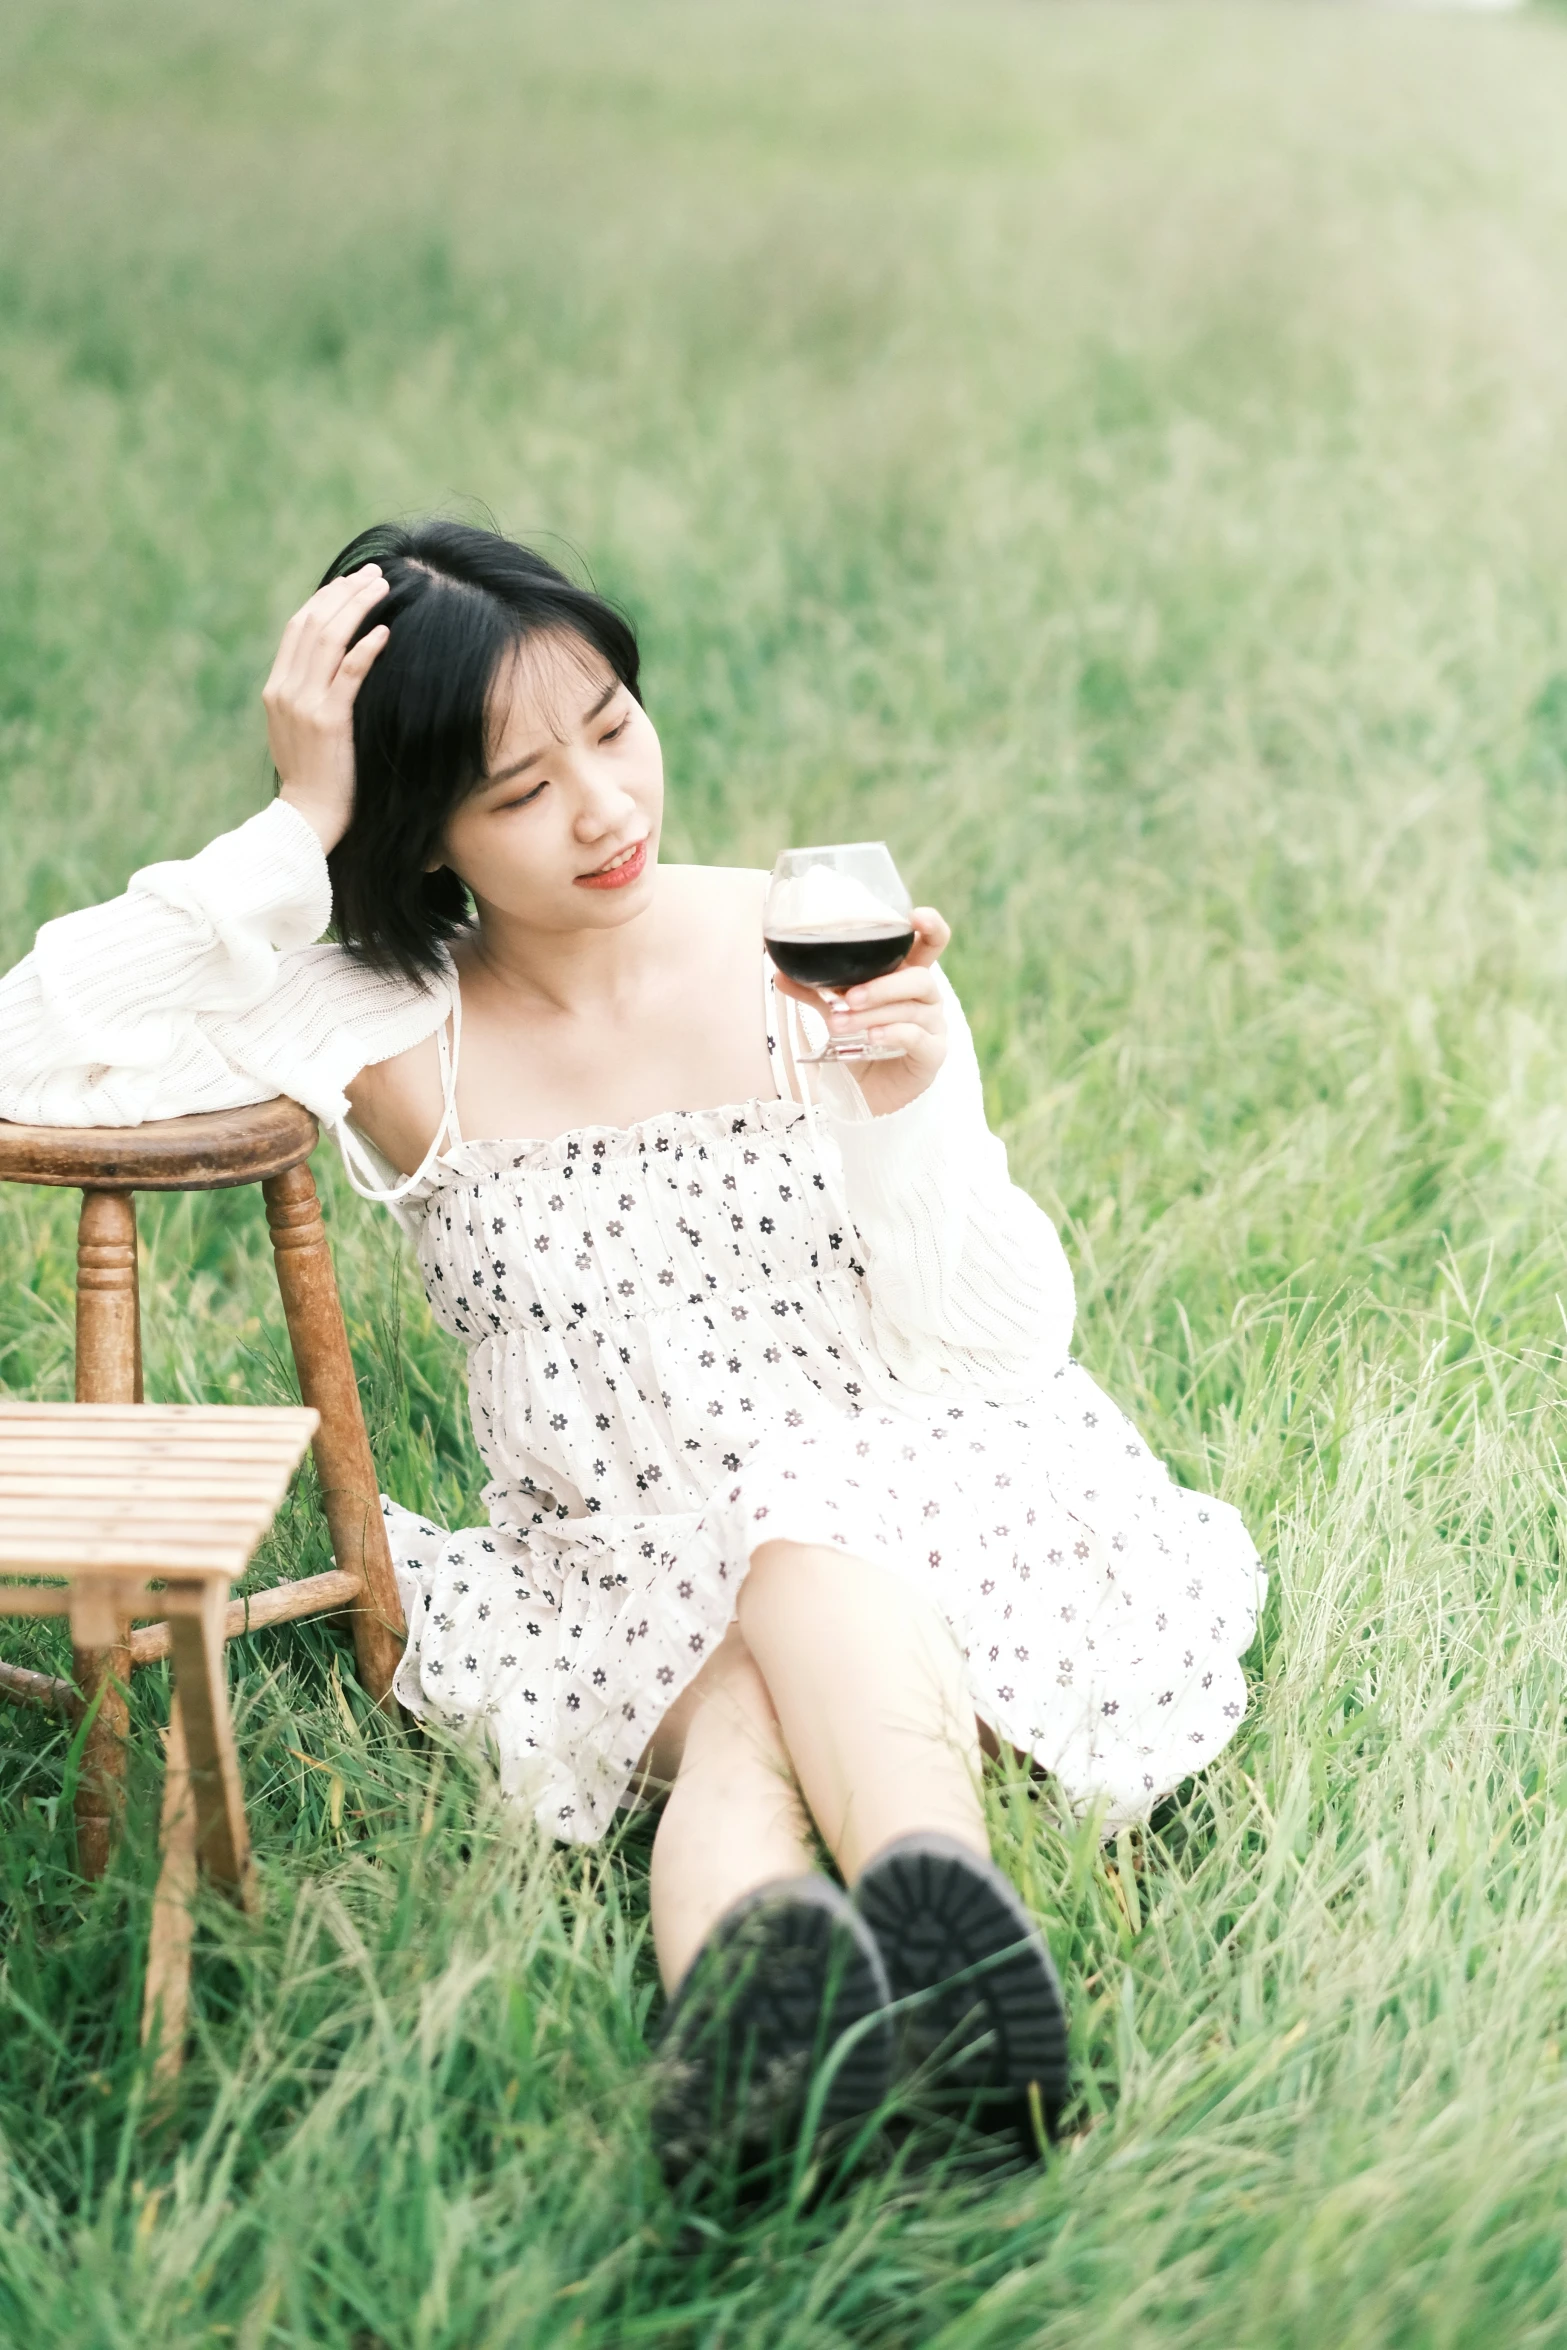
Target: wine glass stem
x,y
851,1048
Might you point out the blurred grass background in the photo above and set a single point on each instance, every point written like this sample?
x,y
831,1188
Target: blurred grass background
x,y
1117,454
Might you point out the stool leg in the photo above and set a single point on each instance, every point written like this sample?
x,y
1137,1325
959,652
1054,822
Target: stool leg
x,y
349,1490
108,1340
108,1370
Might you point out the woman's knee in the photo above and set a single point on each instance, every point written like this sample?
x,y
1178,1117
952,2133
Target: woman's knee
x,y
808,1592
723,1717
787,1581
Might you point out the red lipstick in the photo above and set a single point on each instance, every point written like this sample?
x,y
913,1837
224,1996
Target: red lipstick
x,y
619,875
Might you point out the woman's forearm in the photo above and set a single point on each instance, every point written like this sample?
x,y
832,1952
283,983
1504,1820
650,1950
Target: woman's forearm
x,y
108,1015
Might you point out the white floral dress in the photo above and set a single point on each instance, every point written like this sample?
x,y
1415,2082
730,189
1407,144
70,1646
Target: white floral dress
x,y
672,1358
684,1337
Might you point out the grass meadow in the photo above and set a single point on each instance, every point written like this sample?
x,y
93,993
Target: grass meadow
x,y
1118,454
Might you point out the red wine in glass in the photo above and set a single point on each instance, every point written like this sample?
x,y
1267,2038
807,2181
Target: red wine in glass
x,y
824,958
836,916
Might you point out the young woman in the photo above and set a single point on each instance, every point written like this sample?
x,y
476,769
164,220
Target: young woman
x,y
796,1489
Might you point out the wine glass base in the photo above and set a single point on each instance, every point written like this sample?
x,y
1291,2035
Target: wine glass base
x,y
851,1048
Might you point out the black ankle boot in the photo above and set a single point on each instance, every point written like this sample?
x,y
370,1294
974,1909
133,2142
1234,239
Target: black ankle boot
x,y
765,2005
985,2028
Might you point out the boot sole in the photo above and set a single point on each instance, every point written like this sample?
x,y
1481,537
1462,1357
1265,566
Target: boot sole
x,y
986,2022
784,1975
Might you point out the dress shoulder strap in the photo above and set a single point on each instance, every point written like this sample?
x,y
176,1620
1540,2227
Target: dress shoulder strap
x,y
448,1044
361,1169
775,1012
793,1033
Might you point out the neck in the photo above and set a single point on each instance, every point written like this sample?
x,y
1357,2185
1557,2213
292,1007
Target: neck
x,y
578,972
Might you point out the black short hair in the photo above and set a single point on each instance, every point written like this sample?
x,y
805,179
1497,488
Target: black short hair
x,y
459,603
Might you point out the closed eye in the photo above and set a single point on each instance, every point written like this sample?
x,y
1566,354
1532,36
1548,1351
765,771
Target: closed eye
x,y
614,733
521,801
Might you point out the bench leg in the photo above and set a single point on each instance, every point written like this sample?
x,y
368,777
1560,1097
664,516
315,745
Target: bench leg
x,y
201,1687
349,1491
166,1998
108,1370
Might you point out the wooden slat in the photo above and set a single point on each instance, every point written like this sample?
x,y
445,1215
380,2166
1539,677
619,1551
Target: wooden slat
x,y
120,1434
141,1515
143,1502
154,1415
167,1423
106,1435
19,1451
74,1555
177,1431
97,1530
117,1434
94,1471
255,1481
285,1603
122,1489
151,1505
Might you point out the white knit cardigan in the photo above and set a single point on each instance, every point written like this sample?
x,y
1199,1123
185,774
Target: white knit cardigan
x,y
204,988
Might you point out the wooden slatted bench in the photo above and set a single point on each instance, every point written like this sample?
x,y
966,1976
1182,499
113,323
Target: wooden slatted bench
x,y
113,1511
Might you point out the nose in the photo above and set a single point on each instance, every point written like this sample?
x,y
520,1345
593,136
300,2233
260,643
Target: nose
x,y
603,802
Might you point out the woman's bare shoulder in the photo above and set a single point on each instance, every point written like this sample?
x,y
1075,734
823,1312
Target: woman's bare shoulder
x,y
398,1104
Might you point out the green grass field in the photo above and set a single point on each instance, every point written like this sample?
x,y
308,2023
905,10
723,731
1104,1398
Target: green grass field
x,y
1118,454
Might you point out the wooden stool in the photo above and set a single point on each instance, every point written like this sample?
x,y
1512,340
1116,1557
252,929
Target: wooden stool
x,y
268,1144
107,1496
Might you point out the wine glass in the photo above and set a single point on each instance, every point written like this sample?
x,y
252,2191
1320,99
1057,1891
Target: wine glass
x,y
833,917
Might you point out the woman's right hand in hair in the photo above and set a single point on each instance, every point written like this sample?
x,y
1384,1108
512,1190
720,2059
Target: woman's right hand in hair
x,y
309,699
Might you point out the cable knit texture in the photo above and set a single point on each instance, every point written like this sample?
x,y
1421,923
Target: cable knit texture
x,y
968,1276
687,1337
200,989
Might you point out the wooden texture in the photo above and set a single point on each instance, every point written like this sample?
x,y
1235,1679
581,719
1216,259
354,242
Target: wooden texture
x,y
109,1500
107,1298
148,1487
284,1603
20,1685
222,1835
212,1152
350,1493
165,2007
268,1143
37,1599
108,1371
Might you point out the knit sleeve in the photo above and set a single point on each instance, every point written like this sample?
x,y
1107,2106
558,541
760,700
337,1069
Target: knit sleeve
x,y
967,1276
199,989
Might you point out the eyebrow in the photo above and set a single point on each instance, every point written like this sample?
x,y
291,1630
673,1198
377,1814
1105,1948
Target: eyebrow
x,y
508,774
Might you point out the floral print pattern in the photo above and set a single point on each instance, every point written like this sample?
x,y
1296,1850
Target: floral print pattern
x,y
670,1362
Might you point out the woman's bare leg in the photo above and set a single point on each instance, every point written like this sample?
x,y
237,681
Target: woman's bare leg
x,y
732,1819
871,1698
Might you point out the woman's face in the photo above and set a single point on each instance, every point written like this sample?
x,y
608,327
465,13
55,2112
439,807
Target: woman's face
x,y
563,833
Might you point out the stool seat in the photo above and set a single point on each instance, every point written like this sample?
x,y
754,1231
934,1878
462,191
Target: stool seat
x,y
214,1151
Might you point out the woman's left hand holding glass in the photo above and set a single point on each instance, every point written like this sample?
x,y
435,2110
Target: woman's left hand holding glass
x,y
903,1010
